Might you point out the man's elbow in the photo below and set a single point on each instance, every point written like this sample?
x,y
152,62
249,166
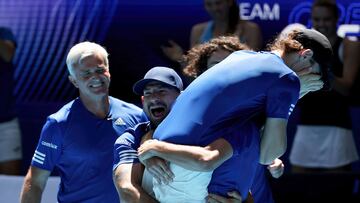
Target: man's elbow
x,y
126,190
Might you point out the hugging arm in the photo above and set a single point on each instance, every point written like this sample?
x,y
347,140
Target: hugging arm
x,y
190,157
351,68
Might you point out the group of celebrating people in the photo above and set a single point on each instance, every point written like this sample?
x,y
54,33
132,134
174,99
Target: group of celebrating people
x,y
203,139
208,142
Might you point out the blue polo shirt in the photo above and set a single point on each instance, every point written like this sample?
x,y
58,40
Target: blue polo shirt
x,y
260,188
80,146
243,86
237,173
242,171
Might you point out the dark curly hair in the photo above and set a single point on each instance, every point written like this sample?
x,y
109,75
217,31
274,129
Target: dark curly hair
x,y
197,57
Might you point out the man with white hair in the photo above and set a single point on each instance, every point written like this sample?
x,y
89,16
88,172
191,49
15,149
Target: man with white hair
x,y
77,140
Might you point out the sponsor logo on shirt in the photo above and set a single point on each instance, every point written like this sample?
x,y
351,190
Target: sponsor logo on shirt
x,y
119,121
47,144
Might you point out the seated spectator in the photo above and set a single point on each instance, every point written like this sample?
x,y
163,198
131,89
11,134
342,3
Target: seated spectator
x,y
324,139
225,21
10,135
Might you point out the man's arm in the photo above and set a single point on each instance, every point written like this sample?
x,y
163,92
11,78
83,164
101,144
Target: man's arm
x,y
127,179
190,157
273,141
351,67
34,184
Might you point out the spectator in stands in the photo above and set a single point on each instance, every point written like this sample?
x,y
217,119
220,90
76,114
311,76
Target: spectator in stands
x,y
225,21
324,139
10,135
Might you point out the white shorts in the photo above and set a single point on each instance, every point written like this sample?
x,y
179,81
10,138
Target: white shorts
x,y
188,186
10,141
323,147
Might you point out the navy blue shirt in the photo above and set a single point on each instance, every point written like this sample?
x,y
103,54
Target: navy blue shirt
x,y
238,172
242,171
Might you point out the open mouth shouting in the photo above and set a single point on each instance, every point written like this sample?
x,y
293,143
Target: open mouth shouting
x,y
158,111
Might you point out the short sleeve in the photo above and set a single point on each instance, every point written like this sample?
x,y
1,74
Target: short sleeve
x,y
282,96
48,150
125,150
